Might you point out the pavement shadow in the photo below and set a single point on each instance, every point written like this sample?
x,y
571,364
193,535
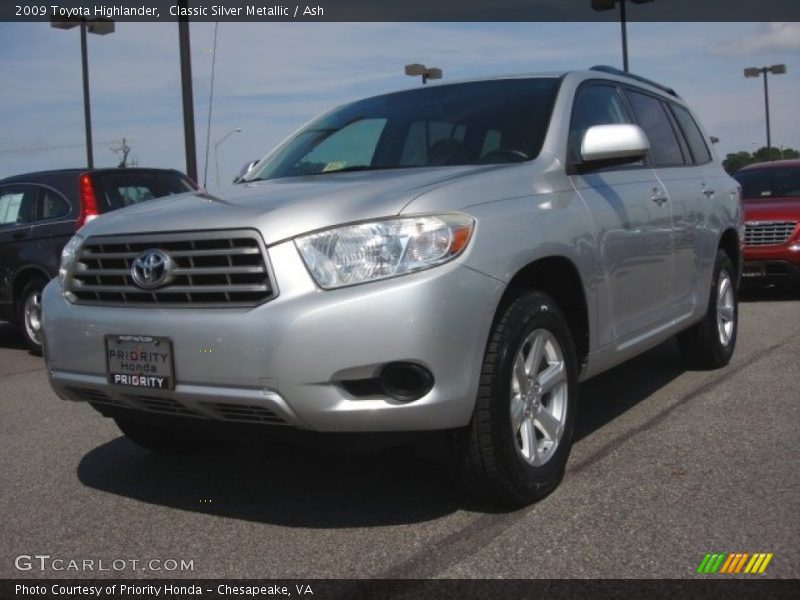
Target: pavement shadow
x,y
316,485
10,337
781,292
610,394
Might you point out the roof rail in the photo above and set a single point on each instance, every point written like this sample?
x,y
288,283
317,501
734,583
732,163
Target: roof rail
x,y
615,71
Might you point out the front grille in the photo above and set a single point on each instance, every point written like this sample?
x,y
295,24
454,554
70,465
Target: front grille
x,y
96,396
245,413
161,405
768,233
214,268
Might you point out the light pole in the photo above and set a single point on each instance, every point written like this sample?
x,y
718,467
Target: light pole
x,y
216,153
184,46
756,72
418,70
599,5
100,27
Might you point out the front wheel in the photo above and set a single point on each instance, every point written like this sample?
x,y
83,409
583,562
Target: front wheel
x,y
710,343
516,446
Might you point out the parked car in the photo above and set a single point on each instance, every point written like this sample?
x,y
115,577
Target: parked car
x,y
451,258
771,198
39,213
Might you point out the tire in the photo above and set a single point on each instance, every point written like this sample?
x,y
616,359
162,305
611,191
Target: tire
x,y
29,313
494,459
163,440
710,343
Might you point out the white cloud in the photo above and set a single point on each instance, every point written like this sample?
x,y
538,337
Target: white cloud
x,y
767,38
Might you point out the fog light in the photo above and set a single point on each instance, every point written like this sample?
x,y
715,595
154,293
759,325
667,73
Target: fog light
x,y
405,381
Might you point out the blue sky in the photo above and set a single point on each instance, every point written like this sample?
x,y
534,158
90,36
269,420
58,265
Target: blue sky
x,y
272,77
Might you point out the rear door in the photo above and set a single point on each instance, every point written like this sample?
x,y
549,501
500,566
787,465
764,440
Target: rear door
x,y
683,183
17,209
632,223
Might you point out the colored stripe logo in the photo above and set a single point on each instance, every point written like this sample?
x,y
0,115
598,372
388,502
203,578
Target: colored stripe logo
x,y
732,563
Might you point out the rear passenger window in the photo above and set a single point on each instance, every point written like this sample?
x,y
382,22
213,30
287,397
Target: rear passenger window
x,y
693,135
16,206
652,117
594,105
53,206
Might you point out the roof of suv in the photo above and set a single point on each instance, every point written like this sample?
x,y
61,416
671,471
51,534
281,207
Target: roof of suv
x,y
773,164
79,171
597,71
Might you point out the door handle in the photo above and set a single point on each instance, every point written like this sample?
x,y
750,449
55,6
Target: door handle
x,y
708,193
18,235
659,197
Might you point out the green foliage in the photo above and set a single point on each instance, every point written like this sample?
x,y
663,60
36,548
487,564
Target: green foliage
x,y
737,160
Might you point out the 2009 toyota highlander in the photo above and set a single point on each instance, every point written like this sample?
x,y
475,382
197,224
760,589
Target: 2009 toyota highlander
x,y
454,257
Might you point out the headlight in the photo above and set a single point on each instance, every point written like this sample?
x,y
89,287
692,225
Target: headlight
x,y
380,249
68,256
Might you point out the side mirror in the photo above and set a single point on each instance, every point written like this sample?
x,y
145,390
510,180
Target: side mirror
x,y
245,170
613,144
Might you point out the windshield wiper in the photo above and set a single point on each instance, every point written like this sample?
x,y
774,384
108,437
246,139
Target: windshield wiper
x,y
361,168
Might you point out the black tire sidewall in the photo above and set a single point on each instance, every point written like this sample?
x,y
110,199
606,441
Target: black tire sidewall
x,y
532,311
723,353
31,287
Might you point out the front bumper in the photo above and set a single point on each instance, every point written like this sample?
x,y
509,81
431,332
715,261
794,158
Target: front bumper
x,y
772,262
283,362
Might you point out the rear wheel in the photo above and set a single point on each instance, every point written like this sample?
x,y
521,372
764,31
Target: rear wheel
x,y
516,446
164,440
29,313
710,343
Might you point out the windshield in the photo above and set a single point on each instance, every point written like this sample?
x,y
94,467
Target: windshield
x,y
774,182
485,122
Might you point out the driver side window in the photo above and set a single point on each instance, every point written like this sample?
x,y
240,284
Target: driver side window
x,y
596,104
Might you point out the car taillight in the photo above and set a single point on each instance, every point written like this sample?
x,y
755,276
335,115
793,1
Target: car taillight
x,y
88,208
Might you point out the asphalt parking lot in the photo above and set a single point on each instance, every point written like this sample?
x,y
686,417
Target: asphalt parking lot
x,y
668,465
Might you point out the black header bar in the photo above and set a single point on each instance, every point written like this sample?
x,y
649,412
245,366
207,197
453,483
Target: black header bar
x,y
400,10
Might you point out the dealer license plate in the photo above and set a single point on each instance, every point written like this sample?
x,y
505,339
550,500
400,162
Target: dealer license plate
x,y
754,269
140,361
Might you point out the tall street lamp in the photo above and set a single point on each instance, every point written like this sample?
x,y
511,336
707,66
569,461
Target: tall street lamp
x,y
599,5
756,72
216,147
99,27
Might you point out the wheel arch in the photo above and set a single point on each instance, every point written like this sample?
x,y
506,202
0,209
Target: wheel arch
x,y
730,243
22,277
558,277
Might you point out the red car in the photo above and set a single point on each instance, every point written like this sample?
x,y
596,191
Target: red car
x,y
771,199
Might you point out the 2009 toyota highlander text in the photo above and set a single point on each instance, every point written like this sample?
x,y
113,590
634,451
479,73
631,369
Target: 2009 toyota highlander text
x,y
451,258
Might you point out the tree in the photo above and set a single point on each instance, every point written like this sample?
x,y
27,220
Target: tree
x,y
737,160
123,150
777,154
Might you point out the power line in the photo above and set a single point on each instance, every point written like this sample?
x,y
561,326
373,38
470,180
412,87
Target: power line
x,y
46,148
210,103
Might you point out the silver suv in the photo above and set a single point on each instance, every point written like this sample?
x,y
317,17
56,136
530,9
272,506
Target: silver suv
x,y
454,257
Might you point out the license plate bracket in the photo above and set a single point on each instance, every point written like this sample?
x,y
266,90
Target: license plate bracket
x,y
140,362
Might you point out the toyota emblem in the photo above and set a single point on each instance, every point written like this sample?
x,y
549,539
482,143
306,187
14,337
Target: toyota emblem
x,y
152,269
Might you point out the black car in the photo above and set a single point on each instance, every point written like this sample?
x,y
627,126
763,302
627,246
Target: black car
x,y
39,213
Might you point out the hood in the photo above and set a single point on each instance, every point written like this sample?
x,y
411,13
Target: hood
x,y
772,209
284,208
